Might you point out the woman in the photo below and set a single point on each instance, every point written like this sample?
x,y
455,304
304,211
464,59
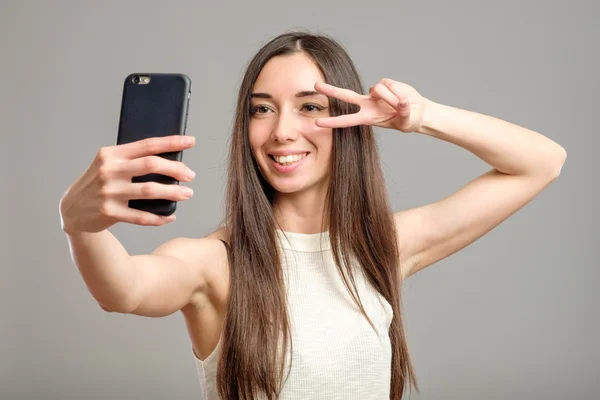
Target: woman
x,y
310,259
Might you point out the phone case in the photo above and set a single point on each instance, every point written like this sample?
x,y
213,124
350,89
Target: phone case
x,y
155,108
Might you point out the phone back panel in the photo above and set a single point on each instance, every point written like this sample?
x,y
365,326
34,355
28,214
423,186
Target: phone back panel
x,y
153,109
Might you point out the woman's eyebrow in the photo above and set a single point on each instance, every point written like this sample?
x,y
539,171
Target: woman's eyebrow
x,y
304,93
307,93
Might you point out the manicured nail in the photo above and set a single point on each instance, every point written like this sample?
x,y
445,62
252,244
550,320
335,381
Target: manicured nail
x,y
188,192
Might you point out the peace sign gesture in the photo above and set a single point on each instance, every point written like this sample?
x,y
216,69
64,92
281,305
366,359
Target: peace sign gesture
x,y
389,104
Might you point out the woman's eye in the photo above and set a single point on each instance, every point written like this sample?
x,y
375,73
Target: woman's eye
x,y
306,107
312,107
259,110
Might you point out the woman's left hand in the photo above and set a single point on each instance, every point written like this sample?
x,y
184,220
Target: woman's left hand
x,y
389,104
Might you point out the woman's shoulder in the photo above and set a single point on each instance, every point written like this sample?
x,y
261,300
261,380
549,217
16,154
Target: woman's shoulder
x,y
218,274
222,233
198,250
207,255
217,256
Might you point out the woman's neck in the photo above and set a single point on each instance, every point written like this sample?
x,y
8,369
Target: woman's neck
x,y
300,212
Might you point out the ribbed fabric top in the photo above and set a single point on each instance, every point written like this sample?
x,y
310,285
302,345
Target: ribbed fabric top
x,y
336,353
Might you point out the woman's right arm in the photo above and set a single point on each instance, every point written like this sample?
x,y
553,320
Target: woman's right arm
x,y
152,285
156,284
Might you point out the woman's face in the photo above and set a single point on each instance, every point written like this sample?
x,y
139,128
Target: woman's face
x,y
284,106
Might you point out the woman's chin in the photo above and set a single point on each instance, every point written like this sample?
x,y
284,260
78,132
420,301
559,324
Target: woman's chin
x,y
296,185
287,185
288,188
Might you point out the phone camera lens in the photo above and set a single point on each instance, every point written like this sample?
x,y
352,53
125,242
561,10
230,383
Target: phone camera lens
x,y
136,79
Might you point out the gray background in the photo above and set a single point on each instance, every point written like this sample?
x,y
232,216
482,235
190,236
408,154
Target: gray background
x,y
511,317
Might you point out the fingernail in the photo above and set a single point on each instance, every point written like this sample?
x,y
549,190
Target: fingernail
x,y
187,192
188,140
190,174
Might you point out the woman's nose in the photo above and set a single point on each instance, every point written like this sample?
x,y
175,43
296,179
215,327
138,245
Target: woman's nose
x,y
286,128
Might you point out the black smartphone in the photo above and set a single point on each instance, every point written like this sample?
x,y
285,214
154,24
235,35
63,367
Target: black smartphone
x,y
153,105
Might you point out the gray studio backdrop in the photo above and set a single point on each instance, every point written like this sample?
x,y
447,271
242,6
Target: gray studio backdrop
x,y
511,317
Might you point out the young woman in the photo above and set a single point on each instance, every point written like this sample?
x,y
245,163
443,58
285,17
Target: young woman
x,y
297,295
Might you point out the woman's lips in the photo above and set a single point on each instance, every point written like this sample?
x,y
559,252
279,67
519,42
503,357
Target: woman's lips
x,y
287,168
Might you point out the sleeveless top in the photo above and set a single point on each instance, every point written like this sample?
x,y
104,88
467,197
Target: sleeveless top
x,y
336,352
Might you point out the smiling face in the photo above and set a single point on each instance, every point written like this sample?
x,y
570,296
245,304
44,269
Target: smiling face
x,y
292,152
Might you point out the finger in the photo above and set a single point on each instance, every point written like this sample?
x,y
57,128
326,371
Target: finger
x,y
403,104
384,93
138,217
342,121
346,95
154,190
155,145
158,165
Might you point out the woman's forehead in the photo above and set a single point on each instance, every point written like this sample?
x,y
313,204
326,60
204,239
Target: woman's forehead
x,y
289,74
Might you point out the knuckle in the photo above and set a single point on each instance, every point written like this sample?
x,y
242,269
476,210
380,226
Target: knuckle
x,y
104,173
142,220
151,162
106,209
148,189
106,192
118,169
103,154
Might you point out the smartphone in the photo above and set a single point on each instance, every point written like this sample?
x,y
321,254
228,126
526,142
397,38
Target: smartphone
x,y
154,105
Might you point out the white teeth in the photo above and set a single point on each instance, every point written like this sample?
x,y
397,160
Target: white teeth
x,y
285,160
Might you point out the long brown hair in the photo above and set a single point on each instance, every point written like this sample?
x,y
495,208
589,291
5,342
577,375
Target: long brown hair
x,y
358,216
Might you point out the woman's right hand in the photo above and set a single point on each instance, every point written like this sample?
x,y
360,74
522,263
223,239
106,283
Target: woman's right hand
x,y
100,197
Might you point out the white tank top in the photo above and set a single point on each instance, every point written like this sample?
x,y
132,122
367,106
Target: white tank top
x,y
336,353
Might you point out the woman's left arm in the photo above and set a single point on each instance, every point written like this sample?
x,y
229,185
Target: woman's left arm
x,y
524,162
